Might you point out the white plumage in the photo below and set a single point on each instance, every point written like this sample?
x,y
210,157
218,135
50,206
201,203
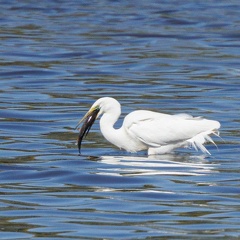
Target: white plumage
x,y
146,130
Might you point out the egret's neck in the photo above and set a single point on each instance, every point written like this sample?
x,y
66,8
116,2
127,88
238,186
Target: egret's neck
x,y
107,122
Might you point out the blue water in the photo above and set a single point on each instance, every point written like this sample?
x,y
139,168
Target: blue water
x,y
56,59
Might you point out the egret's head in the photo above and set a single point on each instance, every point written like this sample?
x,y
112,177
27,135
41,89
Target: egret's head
x,y
107,105
102,105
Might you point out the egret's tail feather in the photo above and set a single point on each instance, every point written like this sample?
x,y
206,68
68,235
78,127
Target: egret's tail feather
x,y
198,141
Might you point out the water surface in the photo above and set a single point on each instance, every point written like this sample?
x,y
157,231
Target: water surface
x,y
56,59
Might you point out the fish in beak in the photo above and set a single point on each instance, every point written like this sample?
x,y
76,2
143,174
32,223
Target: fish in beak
x,y
88,119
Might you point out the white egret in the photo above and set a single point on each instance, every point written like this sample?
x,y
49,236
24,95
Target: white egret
x,y
158,133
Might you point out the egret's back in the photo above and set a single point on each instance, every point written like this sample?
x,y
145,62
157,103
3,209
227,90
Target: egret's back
x,y
158,130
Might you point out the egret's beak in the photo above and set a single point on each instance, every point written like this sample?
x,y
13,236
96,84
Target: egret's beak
x,y
89,118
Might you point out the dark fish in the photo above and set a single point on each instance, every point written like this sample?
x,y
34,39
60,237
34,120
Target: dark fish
x,y
90,118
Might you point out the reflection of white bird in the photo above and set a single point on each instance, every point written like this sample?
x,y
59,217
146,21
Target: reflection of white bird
x,y
146,130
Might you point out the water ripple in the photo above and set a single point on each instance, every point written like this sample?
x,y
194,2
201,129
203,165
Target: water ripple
x,y
56,59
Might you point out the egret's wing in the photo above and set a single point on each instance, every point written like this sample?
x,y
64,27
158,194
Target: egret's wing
x,y
157,129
